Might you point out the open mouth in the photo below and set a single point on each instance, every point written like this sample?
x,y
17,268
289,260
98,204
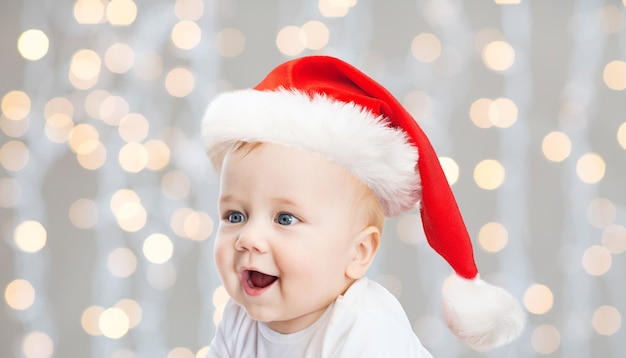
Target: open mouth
x,y
255,282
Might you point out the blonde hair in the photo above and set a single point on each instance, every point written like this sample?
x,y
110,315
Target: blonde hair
x,y
367,202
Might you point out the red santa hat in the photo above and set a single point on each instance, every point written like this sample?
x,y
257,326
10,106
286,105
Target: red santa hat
x,y
324,105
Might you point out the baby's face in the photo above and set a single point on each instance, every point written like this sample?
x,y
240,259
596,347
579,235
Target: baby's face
x,y
285,238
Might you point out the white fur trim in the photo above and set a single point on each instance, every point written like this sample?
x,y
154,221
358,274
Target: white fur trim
x,y
343,133
483,315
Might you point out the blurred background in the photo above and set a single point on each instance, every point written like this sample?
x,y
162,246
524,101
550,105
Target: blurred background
x,y
107,202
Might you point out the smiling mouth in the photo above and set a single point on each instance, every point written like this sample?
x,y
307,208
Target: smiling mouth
x,y
256,282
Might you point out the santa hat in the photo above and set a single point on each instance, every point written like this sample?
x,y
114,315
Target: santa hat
x,y
326,106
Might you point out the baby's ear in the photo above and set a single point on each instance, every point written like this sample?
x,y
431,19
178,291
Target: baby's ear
x,y
365,247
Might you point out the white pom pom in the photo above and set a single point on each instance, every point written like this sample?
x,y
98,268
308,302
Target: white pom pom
x,y
483,315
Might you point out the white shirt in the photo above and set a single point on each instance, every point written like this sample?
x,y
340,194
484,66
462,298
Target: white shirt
x,y
367,321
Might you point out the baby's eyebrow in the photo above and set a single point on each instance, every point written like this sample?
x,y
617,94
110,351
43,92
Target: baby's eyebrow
x,y
284,201
227,198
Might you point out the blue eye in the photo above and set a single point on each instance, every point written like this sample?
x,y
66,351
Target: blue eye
x,y
235,217
286,219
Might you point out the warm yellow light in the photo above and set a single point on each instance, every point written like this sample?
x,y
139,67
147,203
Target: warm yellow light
x,y
114,323
158,248
426,47
58,105
189,9
121,12
614,238
606,320
597,260
10,192
89,320
198,226
113,109
131,217
621,135
545,339
502,112
220,298
538,299
133,127
122,197
15,105
493,237
615,75
92,155
158,154
83,213
175,185
84,69
450,169
316,35
291,40
186,34
58,127
485,36
202,352
177,222
489,174
132,309
19,294
122,262
133,157
230,42
479,113
81,134
556,146
37,345
179,82
33,44
119,58
498,56
30,236
180,352
601,212
88,11
14,129
335,8
14,155
93,102
590,168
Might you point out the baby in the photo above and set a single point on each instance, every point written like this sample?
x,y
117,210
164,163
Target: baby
x,y
310,161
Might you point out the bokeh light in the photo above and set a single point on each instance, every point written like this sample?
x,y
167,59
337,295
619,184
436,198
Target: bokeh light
x,y
545,339
30,236
426,47
220,298
202,352
489,174
621,135
614,75
122,262
14,155
89,320
335,8
230,42
84,213
12,128
186,34
538,299
89,11
158,154
114,323
121,12
85,69
614,238
498,56
132,309
597,260
180,352
291,40
19,294
93,158
450,169
175,185
502,112
612,19
33,44
15,105
316,35
590,168
479,113
133,157
556,146
158,248
131,216
601,212
113,109
119,58
161,277
189,9
133,127
606,320
409,229
179,82
37,344
198,226
493,237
